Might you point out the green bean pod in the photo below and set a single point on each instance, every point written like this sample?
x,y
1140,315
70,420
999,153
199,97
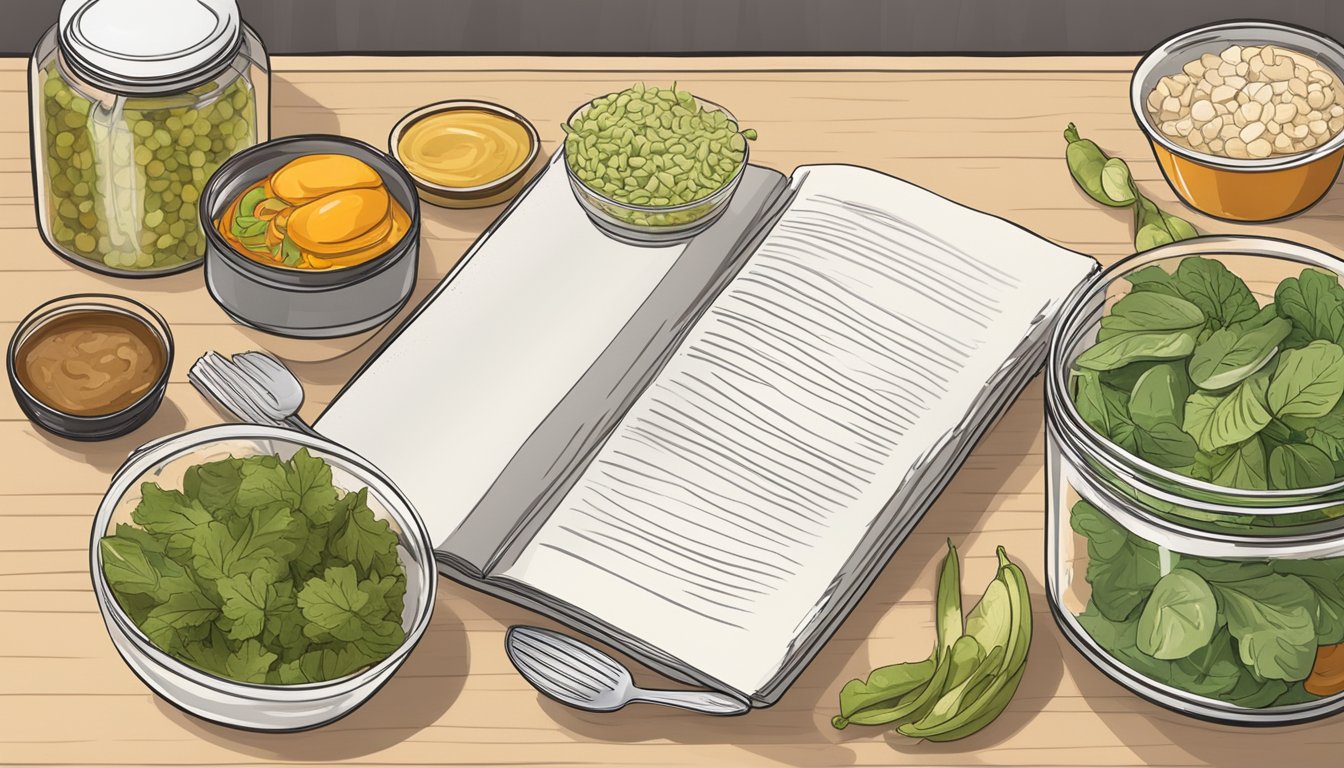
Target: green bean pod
x,y
1089,167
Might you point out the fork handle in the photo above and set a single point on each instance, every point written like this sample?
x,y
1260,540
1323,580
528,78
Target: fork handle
x,y
294,422
704,702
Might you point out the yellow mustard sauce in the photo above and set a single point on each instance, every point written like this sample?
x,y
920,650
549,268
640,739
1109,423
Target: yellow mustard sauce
x,y
464,147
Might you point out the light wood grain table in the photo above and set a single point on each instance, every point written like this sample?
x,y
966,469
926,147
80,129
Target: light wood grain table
x,y
983,131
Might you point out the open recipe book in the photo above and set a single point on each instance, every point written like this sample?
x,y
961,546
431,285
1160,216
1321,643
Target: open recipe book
x,y
703,453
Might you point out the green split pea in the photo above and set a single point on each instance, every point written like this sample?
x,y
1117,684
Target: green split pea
x,y
123,179
654,147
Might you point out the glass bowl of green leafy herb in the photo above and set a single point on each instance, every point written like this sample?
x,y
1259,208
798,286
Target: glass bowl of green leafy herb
x,y
260,578
651,164
1195,472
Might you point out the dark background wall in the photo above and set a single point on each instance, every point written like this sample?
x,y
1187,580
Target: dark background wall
x,y
720,26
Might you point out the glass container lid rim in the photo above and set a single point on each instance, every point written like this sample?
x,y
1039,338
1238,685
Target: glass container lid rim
x,y
146,47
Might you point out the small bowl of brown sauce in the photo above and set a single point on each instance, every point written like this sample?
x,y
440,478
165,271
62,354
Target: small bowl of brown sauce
x,y
465,154
90,366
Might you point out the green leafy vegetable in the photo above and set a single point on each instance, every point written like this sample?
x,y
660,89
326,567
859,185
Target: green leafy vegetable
x,y
1104,408
260,570
1165,445
1327,433
1223,297
1299,466
250,663
1242,466
1243,631
1125,348
1308,382
1121,568
1150,312
1314,301
1178,618
1159,396
1229,357
1216,421
1273,620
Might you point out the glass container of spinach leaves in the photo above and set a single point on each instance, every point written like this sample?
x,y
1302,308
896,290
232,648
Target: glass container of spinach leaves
x,y
1195,463
253,576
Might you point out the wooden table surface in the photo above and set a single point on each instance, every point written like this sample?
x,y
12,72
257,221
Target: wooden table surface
x,y
983,131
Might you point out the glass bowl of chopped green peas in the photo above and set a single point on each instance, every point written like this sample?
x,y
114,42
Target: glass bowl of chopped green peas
x,y
260,578
652,164
1195,478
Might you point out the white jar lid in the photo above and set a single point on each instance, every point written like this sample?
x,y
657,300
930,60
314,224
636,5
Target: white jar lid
x,y
149,46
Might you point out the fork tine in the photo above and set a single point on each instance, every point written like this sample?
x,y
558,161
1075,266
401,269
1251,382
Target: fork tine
x,y
241,402
263,360
555,678
202,377
552,684
269,374
599,665
247,389
254,374
560,664
248,383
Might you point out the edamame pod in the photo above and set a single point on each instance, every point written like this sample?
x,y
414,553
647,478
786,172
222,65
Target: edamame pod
x,y
968,680
947,602
880,699
1108,181
994,696
1087,163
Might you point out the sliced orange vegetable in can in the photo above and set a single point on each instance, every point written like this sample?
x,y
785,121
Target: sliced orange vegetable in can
x,y
327,224
316,212
312,176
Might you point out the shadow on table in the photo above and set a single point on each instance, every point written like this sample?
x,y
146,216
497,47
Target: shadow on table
x,y
108,455
803,715
295,112
144,291
415,698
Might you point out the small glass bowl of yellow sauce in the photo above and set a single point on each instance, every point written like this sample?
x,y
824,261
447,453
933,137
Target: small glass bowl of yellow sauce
x,y
90,366
465,154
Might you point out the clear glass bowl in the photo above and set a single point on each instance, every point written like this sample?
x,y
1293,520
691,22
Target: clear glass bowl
x,y
1127,540
249,705
654,224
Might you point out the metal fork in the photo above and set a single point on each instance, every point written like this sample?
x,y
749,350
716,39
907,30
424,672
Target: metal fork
x,y
581,676
279,391
213,376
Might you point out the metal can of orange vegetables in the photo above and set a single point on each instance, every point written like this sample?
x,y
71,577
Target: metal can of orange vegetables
x,y
308,303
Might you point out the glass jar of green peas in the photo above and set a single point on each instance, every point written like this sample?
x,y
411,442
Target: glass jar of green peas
x,y
134,104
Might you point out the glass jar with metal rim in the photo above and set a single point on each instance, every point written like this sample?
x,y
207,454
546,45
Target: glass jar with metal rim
x,y
1224,603
133,105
